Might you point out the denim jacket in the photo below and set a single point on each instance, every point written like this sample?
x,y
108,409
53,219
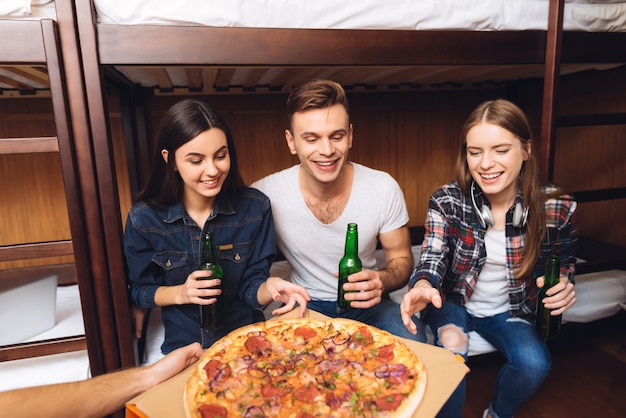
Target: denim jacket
x,y
453,252
162,247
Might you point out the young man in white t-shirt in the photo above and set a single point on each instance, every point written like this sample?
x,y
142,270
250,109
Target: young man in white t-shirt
x,y
312,203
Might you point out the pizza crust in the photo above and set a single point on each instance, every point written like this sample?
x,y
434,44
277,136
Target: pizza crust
x,y
232,346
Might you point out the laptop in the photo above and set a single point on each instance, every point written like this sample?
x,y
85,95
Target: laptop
x,y
27,309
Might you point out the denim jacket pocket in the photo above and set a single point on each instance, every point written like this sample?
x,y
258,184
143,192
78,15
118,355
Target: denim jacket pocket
x,y
173,264
236,253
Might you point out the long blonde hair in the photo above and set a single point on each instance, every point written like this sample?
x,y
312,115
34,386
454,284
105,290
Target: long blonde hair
x,y
508,116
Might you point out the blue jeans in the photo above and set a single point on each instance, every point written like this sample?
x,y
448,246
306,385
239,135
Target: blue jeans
x,y
385,315
527,357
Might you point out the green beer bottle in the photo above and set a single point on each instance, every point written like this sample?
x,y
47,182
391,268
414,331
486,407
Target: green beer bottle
x,y
547,325
350,263
210,314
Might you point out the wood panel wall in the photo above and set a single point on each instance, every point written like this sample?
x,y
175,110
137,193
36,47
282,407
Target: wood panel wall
x,y
412,135
594,157
119,153
33,205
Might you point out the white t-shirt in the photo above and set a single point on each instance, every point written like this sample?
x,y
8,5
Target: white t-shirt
x,y
314,249
491,292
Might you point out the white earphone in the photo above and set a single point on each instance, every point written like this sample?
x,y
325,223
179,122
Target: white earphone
x,y
520,214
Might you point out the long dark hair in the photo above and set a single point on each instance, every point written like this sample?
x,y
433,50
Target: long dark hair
x,y
181,123
508,116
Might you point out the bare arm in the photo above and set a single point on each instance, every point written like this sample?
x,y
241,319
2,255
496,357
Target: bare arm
x,y
99,396
397,247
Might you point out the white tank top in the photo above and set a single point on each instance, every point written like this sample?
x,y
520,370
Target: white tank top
x,y
491,292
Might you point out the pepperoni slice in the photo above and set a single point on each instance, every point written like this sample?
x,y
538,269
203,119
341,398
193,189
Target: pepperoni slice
x,y
362,336
212,410
385,353
215,369
390,402
306,393
270,390
305,332
257,342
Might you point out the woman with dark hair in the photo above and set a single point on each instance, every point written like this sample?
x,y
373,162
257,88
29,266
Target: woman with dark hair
x,y
195,187
488,237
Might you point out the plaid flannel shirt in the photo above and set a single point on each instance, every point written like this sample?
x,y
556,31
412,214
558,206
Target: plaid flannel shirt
x,y
453,251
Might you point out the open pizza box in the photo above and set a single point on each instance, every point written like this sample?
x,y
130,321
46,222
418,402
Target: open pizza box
x,y
444,372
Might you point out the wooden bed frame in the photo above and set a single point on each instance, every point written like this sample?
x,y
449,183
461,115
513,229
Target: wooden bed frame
x,y
85,139
53,44
37,43
105,45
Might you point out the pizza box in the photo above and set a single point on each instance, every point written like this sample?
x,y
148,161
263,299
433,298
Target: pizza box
x,y
444,372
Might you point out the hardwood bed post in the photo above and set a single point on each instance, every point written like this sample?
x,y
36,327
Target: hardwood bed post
x,y
118,307
99,259
70,168
551,88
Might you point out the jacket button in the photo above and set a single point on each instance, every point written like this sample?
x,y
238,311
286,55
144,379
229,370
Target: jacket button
x,y
168,263
237,257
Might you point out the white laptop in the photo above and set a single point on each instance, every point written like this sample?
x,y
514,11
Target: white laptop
x,y
28,309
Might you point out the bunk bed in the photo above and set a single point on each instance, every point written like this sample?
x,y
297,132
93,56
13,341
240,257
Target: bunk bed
x,y
248,48
34,43
38,54
212,49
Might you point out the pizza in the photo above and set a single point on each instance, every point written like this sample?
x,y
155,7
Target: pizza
x,y
305,367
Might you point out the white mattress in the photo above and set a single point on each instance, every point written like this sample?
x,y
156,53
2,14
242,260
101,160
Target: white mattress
x,y
598,295
480,15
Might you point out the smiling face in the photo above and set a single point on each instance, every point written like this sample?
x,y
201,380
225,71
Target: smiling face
x,y
321,139
203,164
494,158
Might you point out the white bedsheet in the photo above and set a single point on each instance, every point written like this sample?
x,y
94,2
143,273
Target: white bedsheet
x,y
608,15
598,295
479,15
